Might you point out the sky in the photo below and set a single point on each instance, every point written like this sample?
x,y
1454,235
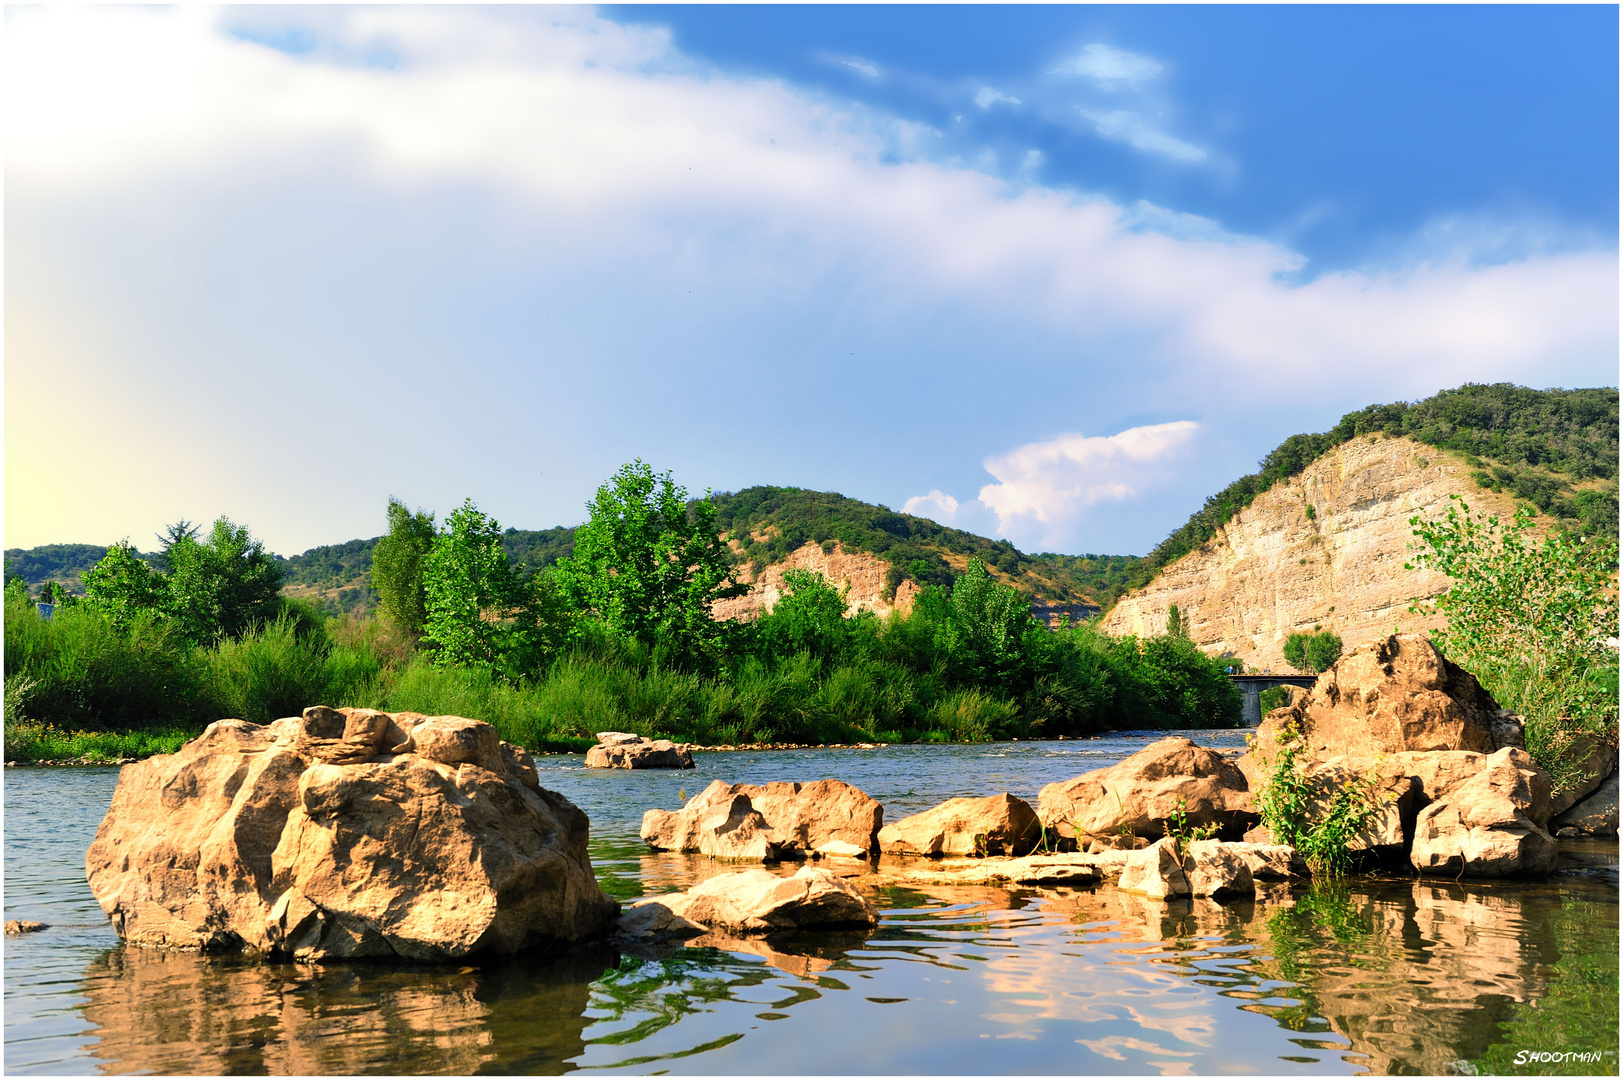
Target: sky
x,y
1047,273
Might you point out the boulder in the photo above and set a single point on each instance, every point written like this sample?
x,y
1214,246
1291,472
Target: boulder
x,y
1155,871
1141,793
622,750
753,902
1393,695
1212,868
995,825
18,927
1488,825
346,833
1597,760
1270,861
736,830
806,817
1595,816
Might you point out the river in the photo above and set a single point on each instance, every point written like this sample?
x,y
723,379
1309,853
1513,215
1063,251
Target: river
x,y
1387,975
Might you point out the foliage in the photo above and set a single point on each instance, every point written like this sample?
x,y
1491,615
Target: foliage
x,y
1312,652
1530,616
1175,627
122,586
1183,833
220,587
649,565
1544,441
1292,807
31,740
61,563
985,637
397,567
479,610
1275,697
808,618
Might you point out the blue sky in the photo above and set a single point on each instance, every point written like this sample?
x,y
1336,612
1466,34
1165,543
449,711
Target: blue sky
x,y
1050,273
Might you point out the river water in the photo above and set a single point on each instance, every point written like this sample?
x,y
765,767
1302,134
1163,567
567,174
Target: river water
x,y
1375,976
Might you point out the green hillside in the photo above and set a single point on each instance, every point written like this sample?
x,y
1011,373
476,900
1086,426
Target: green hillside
x,y
1555,449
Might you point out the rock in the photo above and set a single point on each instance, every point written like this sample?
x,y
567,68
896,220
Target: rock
x,y
995,825
1487,825
1156,871
1117,842
806,817
758,901
18,927
839,849
1595,816
736,830
621,750
1389,696
1212,868
1269,861
651,920
345,833
1386,832
1144,791
1597,761
1072,869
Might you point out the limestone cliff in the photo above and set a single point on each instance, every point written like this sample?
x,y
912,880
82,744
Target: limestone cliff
x,y
1323,549
863,574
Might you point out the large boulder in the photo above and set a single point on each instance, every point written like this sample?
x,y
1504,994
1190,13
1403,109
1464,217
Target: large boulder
x,y
995,825
346,833
1141,794
1389,696
825,816
622,750
752,902
1490,823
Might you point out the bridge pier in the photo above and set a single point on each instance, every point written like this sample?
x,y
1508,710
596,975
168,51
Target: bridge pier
x,y
1252,686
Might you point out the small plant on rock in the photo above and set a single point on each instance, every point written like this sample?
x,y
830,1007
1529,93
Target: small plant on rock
x,y
1290,805
1177,826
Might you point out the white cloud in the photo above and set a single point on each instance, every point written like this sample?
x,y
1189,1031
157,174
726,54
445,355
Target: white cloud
x,y
862,67
1051,483
1126,126
935,506
1110,67
986,97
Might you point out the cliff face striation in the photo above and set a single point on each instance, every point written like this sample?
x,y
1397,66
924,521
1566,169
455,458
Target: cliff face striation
x,y
1323,549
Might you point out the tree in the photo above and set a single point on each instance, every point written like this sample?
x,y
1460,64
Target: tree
x,y
121,586
470,590
221,587
1312,652
397,567
986,635
649,564
1533,618
809,617
1175,626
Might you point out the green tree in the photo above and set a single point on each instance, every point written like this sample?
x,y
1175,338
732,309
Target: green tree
x,y
986,635
808,618
471,590
649,564
122,585
221,587
397,567
1533,618
1175,626
1312,652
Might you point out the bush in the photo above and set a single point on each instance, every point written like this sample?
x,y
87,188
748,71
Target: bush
x,y
1312,652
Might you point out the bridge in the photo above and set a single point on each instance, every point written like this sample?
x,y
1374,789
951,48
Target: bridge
x,y
1252,686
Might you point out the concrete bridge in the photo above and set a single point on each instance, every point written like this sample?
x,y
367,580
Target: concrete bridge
x,y
1252,686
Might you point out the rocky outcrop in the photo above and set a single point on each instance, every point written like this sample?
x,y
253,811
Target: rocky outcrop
x,y
861,575
1597,761
1141,794
825,816
346,833
1392,695
994,825
1323,549
1489,824
622,750
751,902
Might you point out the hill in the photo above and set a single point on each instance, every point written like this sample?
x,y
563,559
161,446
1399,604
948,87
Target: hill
x,y
1556,450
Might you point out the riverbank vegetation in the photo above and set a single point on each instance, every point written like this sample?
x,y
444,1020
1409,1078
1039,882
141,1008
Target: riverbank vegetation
x,y
616,635
1535,619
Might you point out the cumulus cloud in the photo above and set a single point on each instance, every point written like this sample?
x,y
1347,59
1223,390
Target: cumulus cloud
x,y
773,214
1126,126
1110,67
1053,481
986,97
935,506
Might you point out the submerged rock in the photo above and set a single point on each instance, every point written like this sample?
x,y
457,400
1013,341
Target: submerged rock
x,y
827,816
751,902
18,927
622,750
995,825
346,833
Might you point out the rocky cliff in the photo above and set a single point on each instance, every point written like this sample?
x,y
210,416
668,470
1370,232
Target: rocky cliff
x,y
863,574
1323,549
